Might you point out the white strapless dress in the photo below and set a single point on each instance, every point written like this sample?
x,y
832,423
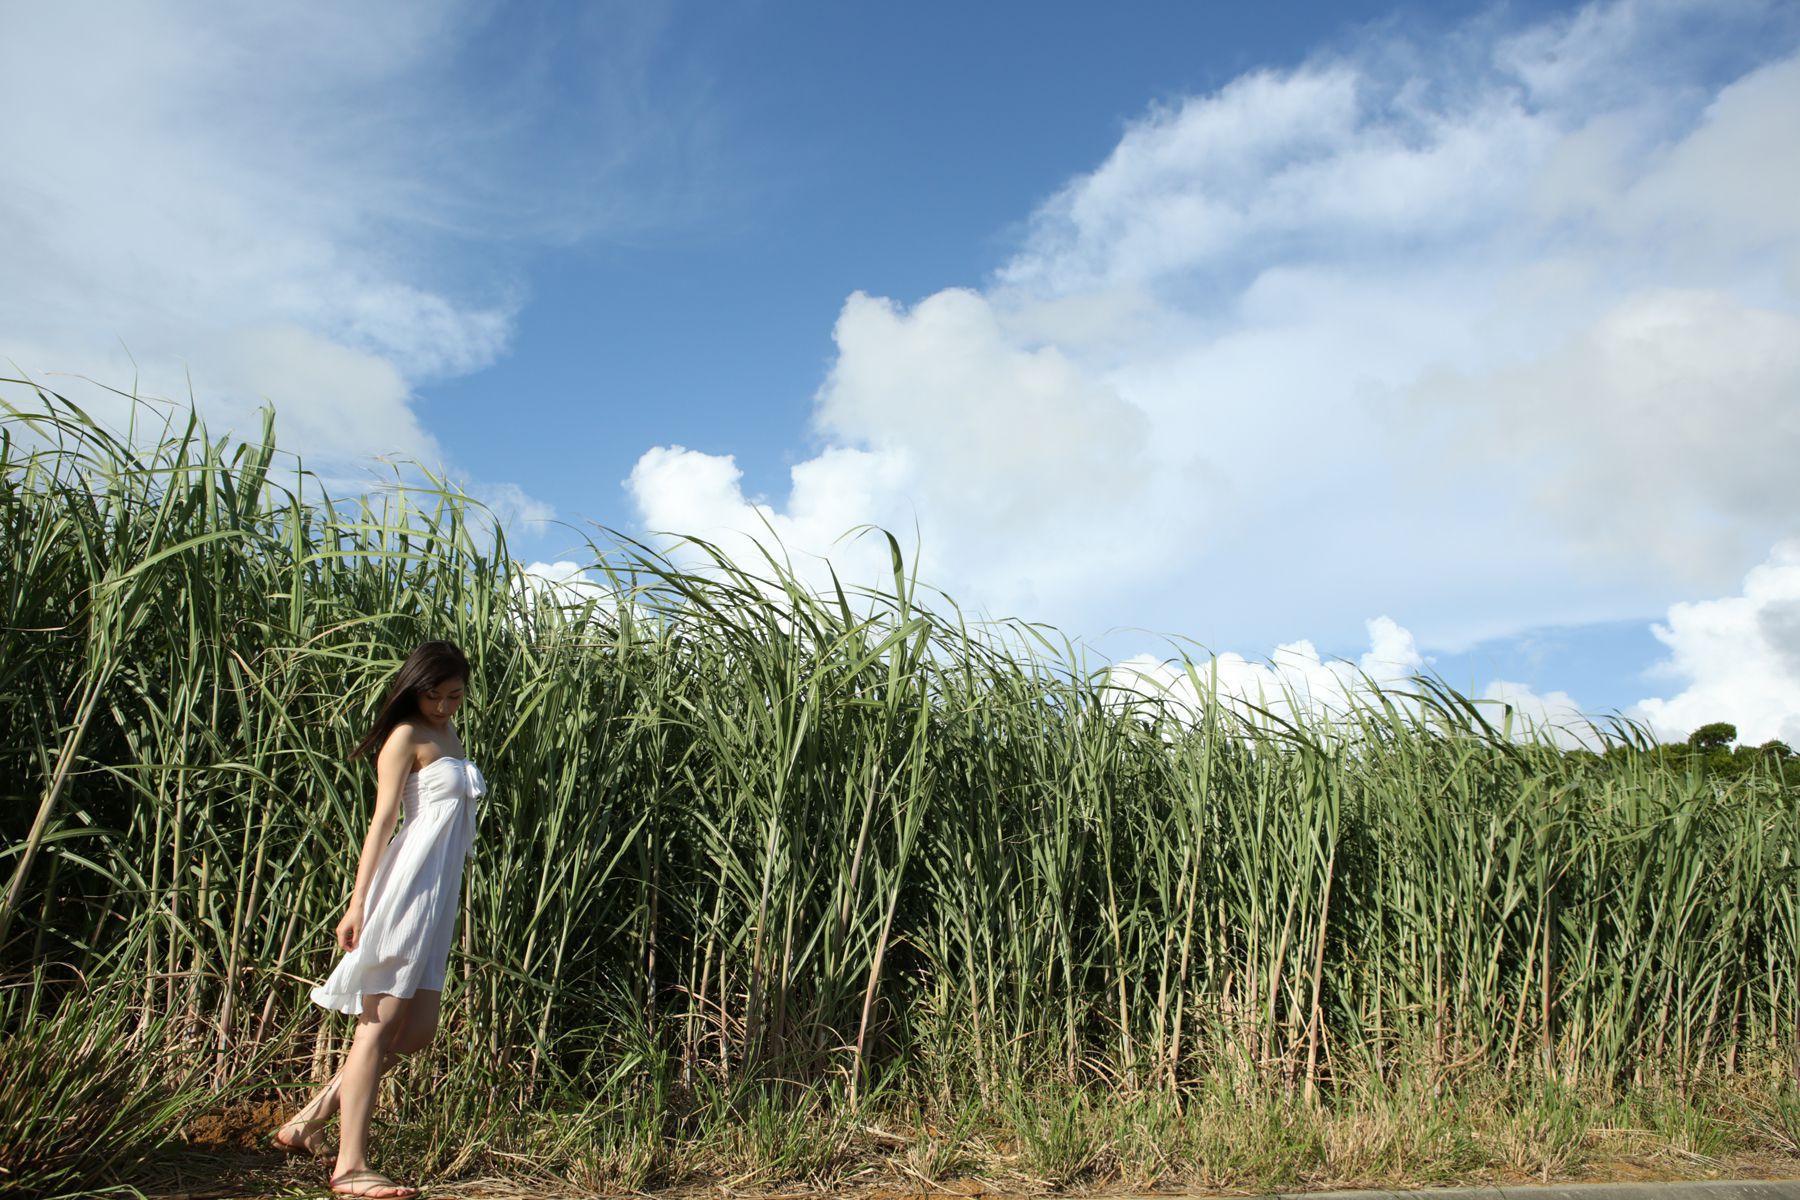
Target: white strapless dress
x,y
409,916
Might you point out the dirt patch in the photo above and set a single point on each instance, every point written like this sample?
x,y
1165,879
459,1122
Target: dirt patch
x,y
246,1125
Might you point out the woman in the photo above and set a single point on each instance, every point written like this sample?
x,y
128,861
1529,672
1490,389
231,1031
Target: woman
x,y
396,931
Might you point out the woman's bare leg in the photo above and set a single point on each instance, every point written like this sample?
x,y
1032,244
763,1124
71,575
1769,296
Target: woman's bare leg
x,y
307,1126
383,1019
420,1023
417,1026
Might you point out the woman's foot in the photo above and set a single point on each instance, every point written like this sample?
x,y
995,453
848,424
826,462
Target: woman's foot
x,y
300,1137
372,1184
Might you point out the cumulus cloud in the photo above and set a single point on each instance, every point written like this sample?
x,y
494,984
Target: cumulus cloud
x,y
1014,458
562,583
1555,715
1335,160
1497,330
1666,430
1737,657
937,420
1296,682
1022,434
685,493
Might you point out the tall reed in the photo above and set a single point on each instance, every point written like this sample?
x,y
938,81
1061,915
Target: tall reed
x,y
845,839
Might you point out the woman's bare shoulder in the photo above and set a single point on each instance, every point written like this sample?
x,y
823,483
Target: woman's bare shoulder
x,y
403,742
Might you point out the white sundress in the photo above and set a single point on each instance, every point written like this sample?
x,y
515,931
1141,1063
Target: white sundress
x,y
409,915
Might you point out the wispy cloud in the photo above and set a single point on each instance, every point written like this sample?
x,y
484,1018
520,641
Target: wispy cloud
x,y
317,205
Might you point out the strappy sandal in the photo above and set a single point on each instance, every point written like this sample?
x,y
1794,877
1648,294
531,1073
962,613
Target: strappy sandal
x,y
372,1184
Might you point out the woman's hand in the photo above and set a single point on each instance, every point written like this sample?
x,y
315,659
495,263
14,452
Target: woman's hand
x,y
349,930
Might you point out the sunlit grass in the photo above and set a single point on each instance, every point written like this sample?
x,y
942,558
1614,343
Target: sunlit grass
x,y
774,885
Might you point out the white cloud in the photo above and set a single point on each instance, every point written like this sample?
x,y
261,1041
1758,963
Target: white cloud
x,y
201,188
1738,657
1014,459
332,401
1334,160
686,493
1295,683
512,507
297,203
561,582
1719,190
937,417
1009,429
1666,430
1482,328
1556,715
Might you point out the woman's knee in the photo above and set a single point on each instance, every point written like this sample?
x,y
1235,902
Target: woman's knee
x,y
411,1041
381,1036
416,1031
420,1023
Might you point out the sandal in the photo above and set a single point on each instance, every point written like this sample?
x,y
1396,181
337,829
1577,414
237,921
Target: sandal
x,y
372,1184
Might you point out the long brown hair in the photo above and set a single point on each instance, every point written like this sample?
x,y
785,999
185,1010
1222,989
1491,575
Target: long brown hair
x,y
433,663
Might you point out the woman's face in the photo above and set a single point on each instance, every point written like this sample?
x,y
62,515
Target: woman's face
x,y
439,703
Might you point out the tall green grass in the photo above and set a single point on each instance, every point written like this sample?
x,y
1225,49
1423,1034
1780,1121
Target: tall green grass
x,y
770,850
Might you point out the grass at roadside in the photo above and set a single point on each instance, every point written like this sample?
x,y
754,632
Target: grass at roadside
x,y
1062,1140
779,888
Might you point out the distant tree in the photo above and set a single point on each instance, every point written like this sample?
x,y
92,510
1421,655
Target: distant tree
x,y
1715,736
1775,758
1709,748
1711,745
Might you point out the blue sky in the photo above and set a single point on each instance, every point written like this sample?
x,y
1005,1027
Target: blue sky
x,y
1456,336
844,147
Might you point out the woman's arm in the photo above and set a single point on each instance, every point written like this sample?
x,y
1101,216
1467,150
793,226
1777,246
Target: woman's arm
x,y
392,766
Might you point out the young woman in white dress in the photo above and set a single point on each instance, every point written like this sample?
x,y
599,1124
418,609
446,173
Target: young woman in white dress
x,y
397,928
